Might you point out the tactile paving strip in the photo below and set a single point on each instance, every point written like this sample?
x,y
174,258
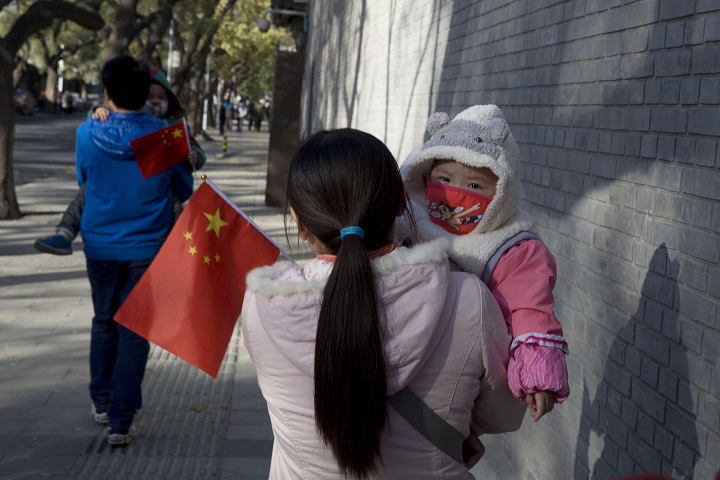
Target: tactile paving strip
x,y
181,428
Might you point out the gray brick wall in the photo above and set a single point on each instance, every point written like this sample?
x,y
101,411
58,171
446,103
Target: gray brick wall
x,y
615,106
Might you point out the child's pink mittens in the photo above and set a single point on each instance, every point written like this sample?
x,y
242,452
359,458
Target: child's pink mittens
x,y
536,367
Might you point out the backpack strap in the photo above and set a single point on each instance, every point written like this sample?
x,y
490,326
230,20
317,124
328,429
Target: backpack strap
x,y
428,423
495,257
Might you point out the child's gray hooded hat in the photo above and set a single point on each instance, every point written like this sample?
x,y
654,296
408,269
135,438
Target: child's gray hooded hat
x,y
477,137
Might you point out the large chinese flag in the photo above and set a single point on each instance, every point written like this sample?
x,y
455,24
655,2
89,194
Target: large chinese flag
x,y
189,299
162,149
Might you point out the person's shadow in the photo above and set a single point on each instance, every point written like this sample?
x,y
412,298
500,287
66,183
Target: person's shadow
x,y
641,417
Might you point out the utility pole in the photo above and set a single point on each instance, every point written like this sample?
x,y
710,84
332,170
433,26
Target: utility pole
x,y
170,50
207,92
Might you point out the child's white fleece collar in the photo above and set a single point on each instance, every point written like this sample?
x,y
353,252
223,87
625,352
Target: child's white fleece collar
x,y
477,137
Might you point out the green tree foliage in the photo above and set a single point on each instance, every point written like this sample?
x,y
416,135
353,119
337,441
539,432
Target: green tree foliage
x,y
196,26
249,56
79,50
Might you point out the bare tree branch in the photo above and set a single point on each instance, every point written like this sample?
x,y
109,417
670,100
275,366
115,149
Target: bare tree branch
x,y
199,47
148,19
161,26
91,4
123,30
40,16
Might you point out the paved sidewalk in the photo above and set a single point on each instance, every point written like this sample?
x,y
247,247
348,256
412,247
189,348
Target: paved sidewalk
x,y
191,426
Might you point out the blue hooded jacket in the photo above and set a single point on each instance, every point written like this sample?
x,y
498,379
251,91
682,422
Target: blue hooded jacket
x,y
126,217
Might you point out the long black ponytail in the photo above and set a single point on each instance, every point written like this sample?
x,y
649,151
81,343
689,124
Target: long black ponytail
x,y
338,179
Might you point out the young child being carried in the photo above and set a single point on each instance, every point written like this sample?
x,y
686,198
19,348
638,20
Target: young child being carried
x,y
161,102
466,178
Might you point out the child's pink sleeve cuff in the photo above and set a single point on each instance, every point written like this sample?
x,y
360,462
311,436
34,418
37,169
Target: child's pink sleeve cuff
x,y
538,363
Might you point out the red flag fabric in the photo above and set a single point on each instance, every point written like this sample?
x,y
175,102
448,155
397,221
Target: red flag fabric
x,y
162,149
189,299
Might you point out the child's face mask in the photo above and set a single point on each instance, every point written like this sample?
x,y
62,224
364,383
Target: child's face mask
x,y
157,108
455,209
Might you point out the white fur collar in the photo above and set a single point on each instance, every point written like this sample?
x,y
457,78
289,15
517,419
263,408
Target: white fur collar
x,y
284,278
473,250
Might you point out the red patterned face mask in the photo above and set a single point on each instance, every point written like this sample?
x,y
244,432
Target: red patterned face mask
x,y
455,209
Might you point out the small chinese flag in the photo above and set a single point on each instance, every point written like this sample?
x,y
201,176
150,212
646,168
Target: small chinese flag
x,y
189,299
162,149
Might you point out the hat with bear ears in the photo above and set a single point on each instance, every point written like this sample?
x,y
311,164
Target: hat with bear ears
x,y
477,137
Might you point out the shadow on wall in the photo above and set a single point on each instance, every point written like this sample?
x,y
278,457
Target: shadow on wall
x,y
639,408
351,102
430,57
596,103
334,93
328,74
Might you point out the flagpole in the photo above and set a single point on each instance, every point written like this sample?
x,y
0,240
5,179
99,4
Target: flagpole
x,y
187,134
189,146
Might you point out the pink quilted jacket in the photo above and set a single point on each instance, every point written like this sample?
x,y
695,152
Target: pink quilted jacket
x,y
522,284
444,338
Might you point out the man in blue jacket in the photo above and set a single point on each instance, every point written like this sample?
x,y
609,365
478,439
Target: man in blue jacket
x,y
124,223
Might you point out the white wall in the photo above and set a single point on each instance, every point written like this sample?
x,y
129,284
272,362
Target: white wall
x,y
615,107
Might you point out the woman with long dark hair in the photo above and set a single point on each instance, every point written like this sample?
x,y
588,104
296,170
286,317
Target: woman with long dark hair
x,y
366,319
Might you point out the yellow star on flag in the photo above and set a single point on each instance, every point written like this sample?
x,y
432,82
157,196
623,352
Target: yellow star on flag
x,y
215,222
217,257
206,259
187,235
192,250
177,133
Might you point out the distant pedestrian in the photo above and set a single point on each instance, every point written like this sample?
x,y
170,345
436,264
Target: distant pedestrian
x,y
259,116
241,114
124,223
68,103
221,121
251,115
228,115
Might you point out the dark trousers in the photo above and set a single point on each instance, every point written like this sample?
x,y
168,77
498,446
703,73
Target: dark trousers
x,y
71,218
117,355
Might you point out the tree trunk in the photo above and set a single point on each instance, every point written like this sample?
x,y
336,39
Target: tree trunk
x,y
39,16
123,29
9,209
51,88
194,107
